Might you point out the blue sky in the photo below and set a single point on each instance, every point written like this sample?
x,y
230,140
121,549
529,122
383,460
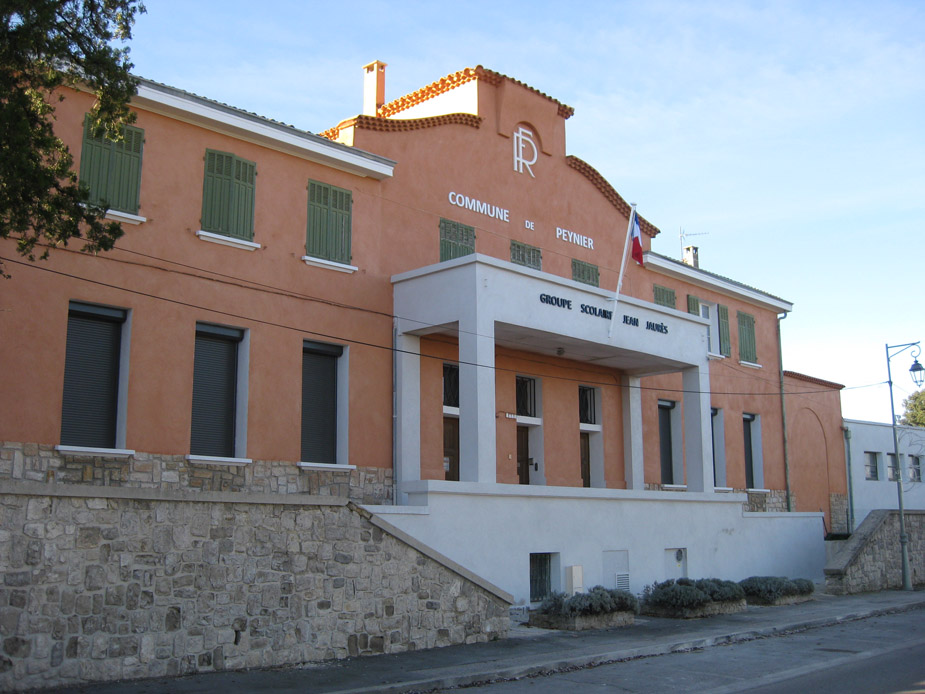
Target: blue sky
x,y
789,136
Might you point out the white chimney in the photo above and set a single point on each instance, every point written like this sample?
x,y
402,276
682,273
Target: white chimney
x,y
373,87
691,256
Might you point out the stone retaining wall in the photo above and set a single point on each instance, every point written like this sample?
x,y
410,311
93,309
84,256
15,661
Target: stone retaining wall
x,y
108,584
871,560
43,463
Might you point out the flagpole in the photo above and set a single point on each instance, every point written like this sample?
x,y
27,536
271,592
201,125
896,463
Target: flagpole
x,y
626,245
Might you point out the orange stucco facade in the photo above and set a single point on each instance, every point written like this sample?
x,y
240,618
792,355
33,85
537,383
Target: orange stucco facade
x,y
454,141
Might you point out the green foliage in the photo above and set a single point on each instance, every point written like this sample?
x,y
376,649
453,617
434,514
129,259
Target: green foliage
x,y
770,588
914,406
672,594
720,590
46,45
598,600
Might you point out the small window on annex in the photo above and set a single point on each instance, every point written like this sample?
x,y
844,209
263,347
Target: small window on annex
x,y
915,468
871,465
892,471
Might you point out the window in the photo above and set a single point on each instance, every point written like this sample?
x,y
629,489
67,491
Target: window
x,y
456,240
586,273
663,296
892,472
320,402
754,465
525,254
540,576
666,440
95,377
228,191
709,312
915,468
329,224
747,347
526,396
219,420
112,170
871,466
450,385
718,431
587,408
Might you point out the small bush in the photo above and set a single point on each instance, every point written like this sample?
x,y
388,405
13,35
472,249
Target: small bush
x,y
772,588
720,590
674,595
598,600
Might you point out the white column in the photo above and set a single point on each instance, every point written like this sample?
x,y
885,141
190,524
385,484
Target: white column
x,y
407,410
633,462
698,444
477,451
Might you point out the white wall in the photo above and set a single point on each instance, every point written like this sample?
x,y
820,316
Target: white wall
x,y
492,529
868,495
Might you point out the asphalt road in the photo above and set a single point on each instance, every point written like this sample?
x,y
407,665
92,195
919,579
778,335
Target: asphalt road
x,y
870,656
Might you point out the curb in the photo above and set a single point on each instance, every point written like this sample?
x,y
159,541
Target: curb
x,y
550,666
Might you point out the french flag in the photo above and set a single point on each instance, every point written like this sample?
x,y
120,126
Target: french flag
x,y
637,241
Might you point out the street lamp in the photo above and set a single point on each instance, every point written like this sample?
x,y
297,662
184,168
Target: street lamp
x,y
918,375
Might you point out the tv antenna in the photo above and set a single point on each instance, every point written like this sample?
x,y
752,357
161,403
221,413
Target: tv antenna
x,y
683,235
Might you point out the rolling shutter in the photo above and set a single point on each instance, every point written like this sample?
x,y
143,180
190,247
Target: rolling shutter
x,y
215,371
91,376
319,402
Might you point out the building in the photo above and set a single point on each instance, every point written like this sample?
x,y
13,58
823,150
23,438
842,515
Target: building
x,y
873,468
417,311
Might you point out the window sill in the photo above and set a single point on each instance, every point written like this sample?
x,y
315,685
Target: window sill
x,y
450,411
227,240
125,217
325,466
589,427
674,487
758,491
217,460
750,364
714,355
530,421
329,264
723,490
92,451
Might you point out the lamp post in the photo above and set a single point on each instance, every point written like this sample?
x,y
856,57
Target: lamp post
x,y
917,371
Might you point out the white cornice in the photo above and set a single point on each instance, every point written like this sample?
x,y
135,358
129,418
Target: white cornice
x,y
696,276
187,108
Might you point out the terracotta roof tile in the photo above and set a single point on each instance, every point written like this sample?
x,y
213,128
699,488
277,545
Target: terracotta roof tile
x,y
813,379
458,79
402,124
612,195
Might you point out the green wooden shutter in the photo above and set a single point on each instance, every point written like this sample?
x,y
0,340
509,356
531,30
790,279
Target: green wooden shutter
x,y
586,273
94,164
525,254
722,313
228,192
747,346
241,219
329,233
693,305
456,240
664,296
216,188
125,171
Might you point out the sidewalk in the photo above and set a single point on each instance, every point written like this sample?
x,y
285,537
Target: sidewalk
x,y
529,651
